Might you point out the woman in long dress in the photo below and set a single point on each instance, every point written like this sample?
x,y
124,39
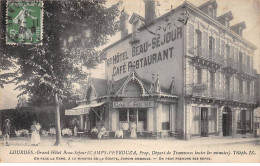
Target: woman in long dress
x,y
133,130
35,139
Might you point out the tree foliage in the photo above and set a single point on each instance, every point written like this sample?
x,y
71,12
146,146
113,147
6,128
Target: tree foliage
x,y
72,32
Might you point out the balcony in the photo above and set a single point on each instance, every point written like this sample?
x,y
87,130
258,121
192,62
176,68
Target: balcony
x,y
202,91
247,70
206,54
231,63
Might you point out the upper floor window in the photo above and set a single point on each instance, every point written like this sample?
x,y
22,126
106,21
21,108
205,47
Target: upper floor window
x,y
227,22
199,75
248,88
211,11
227,51
228,84
248,61
212,80
198,38
211,46
240,31
240,86
240,58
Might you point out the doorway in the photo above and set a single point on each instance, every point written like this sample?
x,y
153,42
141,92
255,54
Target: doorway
x,y
204,122
227,122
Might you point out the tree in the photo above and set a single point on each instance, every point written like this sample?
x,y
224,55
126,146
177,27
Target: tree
x,y
72,32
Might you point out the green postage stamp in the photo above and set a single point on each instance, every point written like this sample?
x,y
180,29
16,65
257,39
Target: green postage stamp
x,y
24,21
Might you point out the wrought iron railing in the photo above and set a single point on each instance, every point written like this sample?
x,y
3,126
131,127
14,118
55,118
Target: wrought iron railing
x,y
232,63
206,54
195,91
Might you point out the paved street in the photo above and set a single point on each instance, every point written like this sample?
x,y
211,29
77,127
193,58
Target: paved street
x,y
208,149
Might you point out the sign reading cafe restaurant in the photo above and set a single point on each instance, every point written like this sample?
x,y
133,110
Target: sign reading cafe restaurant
x,y
157,49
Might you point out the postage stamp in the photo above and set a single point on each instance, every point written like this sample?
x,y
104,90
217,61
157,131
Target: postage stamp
x,y
24,22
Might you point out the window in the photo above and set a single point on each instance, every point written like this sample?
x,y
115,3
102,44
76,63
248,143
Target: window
x,y
199,75
123,115
227,84
248,61
240,86
227,51
211,46
212,80
165,117
240,58
248,88
240,31
227,22
211,11
198,37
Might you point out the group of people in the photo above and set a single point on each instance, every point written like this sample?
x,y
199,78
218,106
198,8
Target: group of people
x,y
35,128
95,133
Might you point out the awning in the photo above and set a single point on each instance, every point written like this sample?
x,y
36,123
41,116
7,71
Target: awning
x,y
82,109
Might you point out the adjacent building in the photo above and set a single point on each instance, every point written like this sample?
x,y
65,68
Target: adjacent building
x,y
188,73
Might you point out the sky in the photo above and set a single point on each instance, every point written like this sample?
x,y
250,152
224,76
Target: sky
x,y
242,10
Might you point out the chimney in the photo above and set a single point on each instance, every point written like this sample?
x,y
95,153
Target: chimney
x,y
123,21
149,10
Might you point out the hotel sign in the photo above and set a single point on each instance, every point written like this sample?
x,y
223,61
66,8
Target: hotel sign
x,y
133,104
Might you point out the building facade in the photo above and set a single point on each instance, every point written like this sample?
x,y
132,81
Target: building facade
x,y
187,73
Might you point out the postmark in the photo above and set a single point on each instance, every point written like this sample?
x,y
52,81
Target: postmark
x,y
24,22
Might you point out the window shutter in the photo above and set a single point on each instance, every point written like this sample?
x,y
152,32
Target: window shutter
x,y
191,38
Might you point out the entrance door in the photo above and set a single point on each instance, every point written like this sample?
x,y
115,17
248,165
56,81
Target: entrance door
x,y
243,120
204,122
227,122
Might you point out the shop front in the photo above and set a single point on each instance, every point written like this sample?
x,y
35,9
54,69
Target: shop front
x,y
128,102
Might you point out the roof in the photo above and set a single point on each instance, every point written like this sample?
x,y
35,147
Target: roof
x,y
226,15
241,24
210,2
194,8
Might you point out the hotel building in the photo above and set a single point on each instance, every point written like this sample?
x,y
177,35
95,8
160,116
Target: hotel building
x,y
188,73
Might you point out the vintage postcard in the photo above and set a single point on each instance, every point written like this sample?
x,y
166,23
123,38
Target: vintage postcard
x,y
129,81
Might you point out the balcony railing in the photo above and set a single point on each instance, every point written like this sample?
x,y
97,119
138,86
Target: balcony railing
x,y
207,54
201,90
232,63
245,69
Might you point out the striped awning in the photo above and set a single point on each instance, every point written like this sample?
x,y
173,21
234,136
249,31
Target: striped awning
x,y
82,109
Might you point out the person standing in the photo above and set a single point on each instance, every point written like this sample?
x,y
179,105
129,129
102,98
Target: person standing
x,y
6,133
133,130
35,139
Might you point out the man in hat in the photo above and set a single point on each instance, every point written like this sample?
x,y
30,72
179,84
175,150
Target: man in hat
x,y
6,133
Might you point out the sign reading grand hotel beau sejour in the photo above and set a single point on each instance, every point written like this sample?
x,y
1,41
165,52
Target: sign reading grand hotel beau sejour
x,y
156,46
133,104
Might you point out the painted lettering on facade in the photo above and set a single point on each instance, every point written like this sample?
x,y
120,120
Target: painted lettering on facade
x,y
133,104
159,48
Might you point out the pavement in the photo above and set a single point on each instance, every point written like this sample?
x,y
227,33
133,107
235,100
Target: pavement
x,y
205,149
194,142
